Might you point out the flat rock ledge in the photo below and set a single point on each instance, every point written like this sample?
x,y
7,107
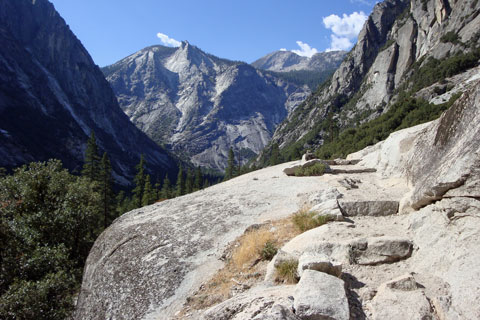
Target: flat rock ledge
x,y
368,208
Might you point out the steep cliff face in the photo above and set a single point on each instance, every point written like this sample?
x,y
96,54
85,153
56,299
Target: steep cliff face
x,y
284,61
52,95
199,105
397,39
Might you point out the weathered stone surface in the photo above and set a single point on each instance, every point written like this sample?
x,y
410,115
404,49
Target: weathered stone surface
x,y
329,209
290,171
320,296
377,250
151,259
260,304
368,208
399,300
319,262
324,195
447,235
445,155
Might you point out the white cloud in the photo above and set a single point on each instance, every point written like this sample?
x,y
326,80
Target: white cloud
x,y
283,49
166,40
345,29
305,50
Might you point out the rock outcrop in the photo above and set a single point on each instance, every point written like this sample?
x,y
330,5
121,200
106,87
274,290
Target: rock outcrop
x,y
199,105
52,95
398,38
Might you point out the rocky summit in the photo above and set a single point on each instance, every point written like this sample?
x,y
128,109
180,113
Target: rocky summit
x,y
198,105
52,95
285,61
403,245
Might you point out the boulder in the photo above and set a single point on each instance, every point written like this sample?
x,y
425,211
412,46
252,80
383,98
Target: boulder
x,y
378,250
400,299
320,263
308,156
290,171
368,208
324,195
320,296
260,304
329,209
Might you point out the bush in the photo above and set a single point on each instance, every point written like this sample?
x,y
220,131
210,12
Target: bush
x,y
306,220
269,250
286,271
316,170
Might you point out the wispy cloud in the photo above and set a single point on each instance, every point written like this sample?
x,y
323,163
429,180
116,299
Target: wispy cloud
x,y
166,40
345,29
305,50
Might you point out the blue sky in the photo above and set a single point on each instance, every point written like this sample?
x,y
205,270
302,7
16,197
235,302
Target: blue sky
x,y
238,30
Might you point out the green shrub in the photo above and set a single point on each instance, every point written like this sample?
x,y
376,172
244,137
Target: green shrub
x,y
315,170
450,36
287,271
306,220
268,251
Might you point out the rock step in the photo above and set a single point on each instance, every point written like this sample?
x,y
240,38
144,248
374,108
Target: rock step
x,y
352,170
368,208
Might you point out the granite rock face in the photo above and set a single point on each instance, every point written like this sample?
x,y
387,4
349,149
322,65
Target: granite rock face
x,y
398,34
52,95
199,105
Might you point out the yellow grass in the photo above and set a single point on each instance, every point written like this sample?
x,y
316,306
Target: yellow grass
x,y
250,246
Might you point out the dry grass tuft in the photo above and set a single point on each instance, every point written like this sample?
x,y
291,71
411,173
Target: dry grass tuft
x,y
305,219
250,247
286,271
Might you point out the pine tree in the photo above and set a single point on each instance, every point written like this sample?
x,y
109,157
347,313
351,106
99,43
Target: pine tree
x,y
166,192
149,194
197,185
139,183
230,170
189,182
106,192
91,163
275,155
180,182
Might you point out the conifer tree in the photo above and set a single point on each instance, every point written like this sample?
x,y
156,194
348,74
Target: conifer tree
x,y
166,192
197,185
180,182
189,181
275,155
91,163
149,196
106,192
139,183
230,170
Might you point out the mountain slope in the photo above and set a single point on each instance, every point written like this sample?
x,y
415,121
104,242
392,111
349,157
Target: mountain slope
x,y
199,105
285,61
52,95
403,47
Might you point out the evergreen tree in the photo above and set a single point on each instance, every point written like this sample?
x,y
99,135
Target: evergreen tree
x,y
139,183
189,182
230,170
197,185
91,163
106,192
166,192
275,155
180,182
149,194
